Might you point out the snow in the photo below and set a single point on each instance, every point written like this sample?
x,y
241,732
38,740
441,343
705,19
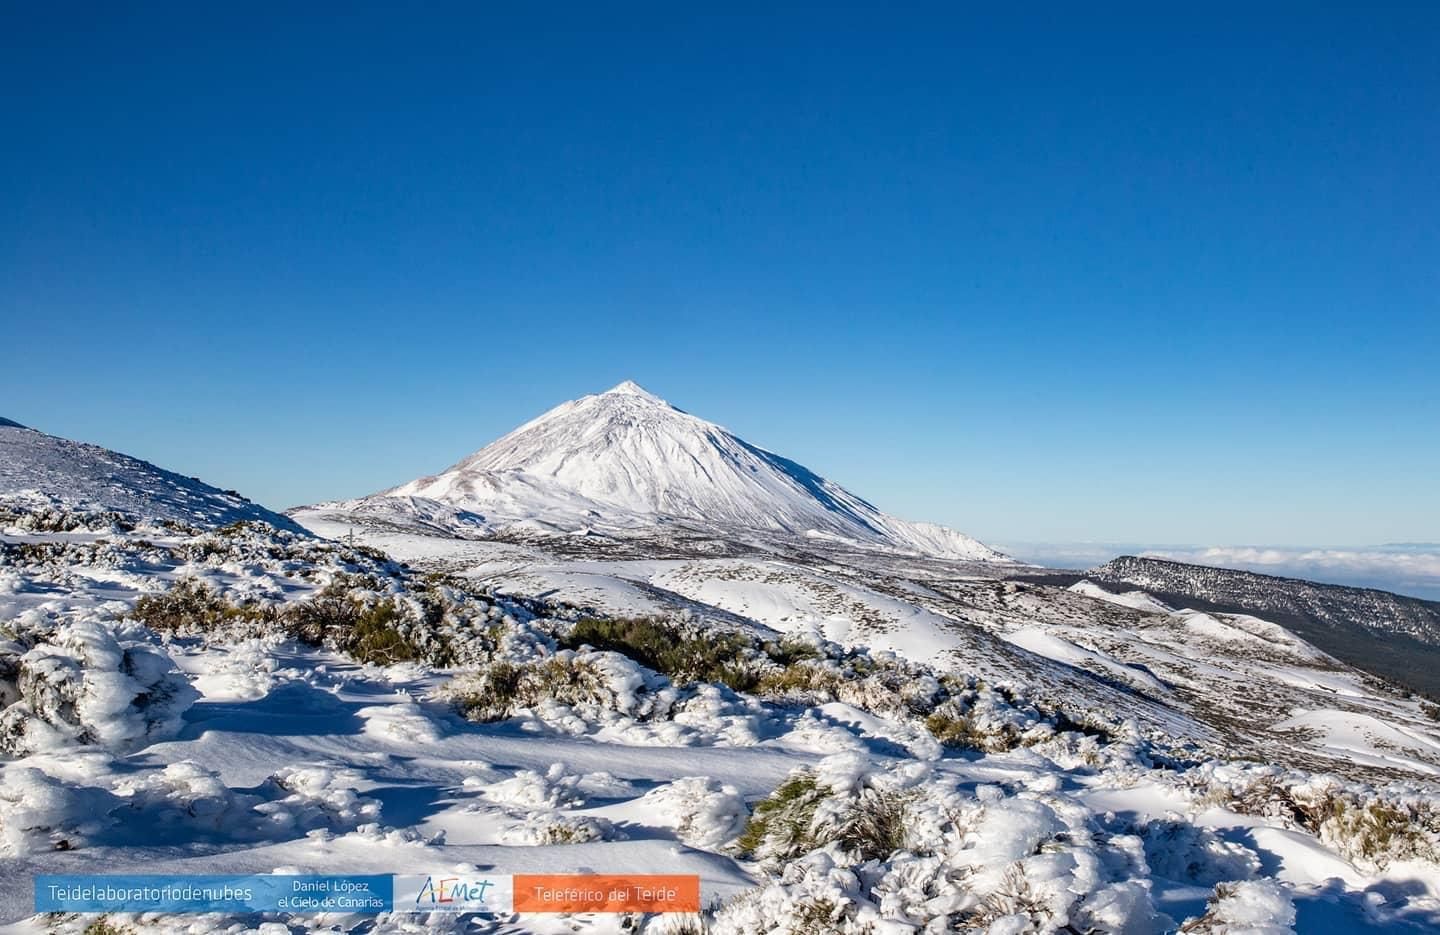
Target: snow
x,y
1051,646
42,471
1113,765
624,460
289,757
1137,600
1364,738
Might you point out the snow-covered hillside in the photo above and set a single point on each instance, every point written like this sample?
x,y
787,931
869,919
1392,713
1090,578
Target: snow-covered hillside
x,y
39,471
1392,635
626,461
248,700
835,735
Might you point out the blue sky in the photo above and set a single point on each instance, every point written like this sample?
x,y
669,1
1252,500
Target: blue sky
x,y
1043,275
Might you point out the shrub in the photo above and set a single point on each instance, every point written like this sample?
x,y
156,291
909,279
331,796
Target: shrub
x,y
782,826
498,690
874,827
684,656
376,639
103,926
1359,825
191,606
1015,896
372,631
1375,831
961,731
799,681
787,651
324,618
1258,906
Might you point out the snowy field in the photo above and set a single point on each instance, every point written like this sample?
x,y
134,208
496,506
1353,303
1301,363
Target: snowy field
x,y
216,741
861,727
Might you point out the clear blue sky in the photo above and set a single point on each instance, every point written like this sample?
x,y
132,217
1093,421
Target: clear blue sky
x,y
1100,272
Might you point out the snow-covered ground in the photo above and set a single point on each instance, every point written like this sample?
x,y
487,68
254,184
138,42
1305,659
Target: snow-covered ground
x,y
273,755
40,472
835,733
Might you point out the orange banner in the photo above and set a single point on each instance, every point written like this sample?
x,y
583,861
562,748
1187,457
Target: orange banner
x,y
595,892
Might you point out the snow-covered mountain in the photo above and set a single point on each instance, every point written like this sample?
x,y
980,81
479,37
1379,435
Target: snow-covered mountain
x,y
626,461
39,471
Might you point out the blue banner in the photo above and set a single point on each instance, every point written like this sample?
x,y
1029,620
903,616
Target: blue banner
x,y
214,893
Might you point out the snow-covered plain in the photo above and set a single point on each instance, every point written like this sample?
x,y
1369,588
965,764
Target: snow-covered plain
x,y
293,757
911,742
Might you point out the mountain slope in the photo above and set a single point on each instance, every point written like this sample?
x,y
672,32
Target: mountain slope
x,y
1388,634
624,461
38,470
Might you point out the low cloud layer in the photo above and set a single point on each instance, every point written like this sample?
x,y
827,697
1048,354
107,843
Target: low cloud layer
x,y
1407,568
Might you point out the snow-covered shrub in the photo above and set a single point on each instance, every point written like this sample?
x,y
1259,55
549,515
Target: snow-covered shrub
x,y
704,812
554,788
192,607
41,813
587,681
685,655
982,719
818,898
1377,831
873,826
1260,907
406,619
559,828
186,794
792,671
810,810
1365,825
907,846
807,682
316,798
37,513
187,799
83,686
782,826
405,723
1181,851
348,615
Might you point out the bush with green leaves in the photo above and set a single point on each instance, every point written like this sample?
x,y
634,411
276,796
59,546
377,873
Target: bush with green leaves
x,y
344,616
503,688
866,822
682,655
191,607
782,826
1367,825
962,713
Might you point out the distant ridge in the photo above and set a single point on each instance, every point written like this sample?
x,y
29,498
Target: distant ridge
x,y
1391,635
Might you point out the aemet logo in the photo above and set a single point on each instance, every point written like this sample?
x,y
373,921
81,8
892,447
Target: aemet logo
x,y
449,889
453,893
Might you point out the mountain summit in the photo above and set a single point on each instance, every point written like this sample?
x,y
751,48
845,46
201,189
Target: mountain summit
x,y
625,460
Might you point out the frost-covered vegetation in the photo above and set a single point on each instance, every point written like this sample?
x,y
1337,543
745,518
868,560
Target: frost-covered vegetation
x,y
252,697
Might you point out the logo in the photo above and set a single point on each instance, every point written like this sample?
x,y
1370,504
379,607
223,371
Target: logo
x,y
453,893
